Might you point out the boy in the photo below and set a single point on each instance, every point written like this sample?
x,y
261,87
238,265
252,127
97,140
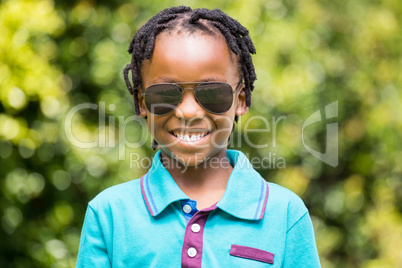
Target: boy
x,y
200,205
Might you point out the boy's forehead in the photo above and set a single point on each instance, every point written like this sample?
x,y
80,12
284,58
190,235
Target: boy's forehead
x,y
192,44
179,36
195,52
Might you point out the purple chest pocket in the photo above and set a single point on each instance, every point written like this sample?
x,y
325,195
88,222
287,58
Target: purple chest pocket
x,y
252,253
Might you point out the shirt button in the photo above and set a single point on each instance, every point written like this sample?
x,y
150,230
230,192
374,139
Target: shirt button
x,y
186,208
195,228
191,252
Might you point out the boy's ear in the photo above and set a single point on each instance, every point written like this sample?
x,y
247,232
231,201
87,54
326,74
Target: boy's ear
x,y
141,103
241,101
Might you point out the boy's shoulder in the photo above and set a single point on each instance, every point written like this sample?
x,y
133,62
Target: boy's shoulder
x,y
283,193
117,193
281,197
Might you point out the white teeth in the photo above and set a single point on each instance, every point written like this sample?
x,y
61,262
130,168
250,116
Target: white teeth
x,y
190,137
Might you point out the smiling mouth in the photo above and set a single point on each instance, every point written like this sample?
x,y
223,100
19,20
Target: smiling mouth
x,y
189,137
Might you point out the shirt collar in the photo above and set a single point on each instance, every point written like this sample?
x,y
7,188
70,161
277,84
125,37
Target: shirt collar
x,y
245,197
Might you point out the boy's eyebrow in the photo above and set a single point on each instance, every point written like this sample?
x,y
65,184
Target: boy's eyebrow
x,y
163,79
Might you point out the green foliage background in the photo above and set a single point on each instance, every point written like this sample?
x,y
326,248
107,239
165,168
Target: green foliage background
x,y
310,53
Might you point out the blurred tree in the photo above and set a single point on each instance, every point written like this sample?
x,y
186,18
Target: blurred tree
x,y
67,129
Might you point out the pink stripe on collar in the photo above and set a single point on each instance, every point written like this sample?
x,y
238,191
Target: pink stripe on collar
x,y
265,202
145,196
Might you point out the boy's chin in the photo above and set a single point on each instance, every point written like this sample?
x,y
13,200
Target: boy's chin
x,y
186,161
191,163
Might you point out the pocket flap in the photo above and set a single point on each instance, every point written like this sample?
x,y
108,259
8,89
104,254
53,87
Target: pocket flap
x,y
252,253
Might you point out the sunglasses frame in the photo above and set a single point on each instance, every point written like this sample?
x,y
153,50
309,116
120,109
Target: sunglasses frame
x,y
194,90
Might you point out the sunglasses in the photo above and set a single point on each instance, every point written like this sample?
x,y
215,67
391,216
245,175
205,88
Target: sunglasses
x,y
215,97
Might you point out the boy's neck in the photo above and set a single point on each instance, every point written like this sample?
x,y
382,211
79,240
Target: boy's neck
x,y
205,183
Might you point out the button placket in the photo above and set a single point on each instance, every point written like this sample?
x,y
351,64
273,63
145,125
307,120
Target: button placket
x,y
193,239
195,228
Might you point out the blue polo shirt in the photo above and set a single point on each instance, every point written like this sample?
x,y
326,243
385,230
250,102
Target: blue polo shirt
x,y
150,222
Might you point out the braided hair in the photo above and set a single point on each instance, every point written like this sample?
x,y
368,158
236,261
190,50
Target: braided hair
x,y
237,37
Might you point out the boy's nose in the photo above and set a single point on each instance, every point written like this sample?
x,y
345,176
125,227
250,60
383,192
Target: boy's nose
x,y
189,108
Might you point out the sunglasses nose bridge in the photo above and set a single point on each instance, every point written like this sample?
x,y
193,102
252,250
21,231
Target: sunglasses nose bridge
x,y
189,106
184,93
185,88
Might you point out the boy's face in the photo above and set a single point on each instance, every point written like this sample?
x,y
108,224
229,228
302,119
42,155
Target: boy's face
x,y
187,58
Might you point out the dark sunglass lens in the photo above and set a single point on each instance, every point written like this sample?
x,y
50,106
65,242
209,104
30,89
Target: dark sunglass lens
x,y
215,97
161,99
